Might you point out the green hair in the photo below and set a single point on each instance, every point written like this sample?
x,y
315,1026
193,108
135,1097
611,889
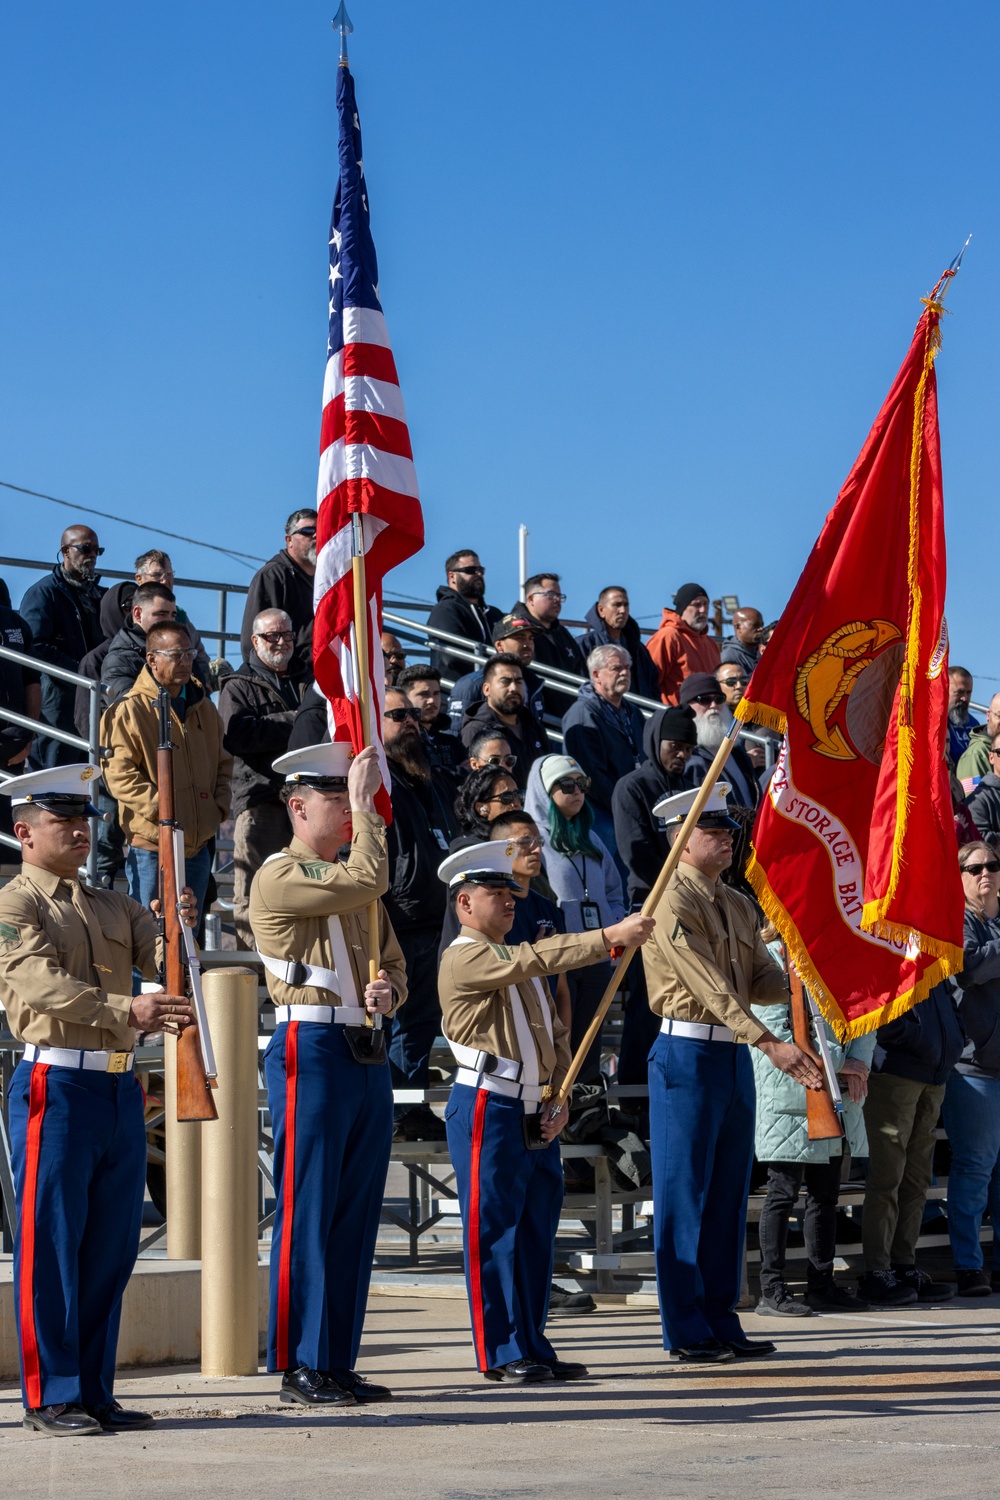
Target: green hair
x,y
571,835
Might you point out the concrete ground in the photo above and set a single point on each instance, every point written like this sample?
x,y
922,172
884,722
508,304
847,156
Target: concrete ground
x,y
898,1404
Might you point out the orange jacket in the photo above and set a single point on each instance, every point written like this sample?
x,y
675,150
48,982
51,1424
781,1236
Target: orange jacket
x,y
677,651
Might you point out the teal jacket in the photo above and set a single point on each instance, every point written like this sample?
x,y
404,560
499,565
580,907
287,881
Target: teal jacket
x,y
781,1133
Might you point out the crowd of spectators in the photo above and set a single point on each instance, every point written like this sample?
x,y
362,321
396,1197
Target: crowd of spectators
x,y
568,769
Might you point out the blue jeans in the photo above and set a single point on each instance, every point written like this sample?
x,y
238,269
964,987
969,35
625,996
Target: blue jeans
x,y
971,1112
142,867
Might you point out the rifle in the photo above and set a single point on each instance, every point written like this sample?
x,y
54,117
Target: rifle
x,y
195,1063
824,1107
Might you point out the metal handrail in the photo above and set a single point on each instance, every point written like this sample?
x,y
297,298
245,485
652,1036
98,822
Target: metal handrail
x,y
91,745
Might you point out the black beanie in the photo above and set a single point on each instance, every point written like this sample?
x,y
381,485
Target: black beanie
x,y
677,724
686,593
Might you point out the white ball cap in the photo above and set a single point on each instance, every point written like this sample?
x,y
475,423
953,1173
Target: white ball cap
x,y
480,864
62,789
324,766
715,813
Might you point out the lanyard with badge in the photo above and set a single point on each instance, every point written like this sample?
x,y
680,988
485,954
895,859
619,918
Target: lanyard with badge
x,y
590,912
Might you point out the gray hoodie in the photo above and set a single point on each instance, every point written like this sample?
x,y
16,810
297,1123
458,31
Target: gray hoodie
x,y
575,878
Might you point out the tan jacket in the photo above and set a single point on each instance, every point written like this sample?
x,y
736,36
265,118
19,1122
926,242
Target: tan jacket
x,y
293,897
202,769
475,1006
66,956
705,960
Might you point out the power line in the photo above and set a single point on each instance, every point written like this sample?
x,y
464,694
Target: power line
x,y
242,557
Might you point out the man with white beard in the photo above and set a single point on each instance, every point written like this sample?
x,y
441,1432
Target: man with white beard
x,y
713,716
960,722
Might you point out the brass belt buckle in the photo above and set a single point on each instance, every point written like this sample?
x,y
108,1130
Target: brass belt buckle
x,y
118,1062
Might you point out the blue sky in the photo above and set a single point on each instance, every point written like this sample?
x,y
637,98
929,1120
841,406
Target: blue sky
x,y
648,272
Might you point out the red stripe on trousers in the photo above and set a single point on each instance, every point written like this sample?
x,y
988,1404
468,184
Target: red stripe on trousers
x,y
32,1150
475,1262
287,1192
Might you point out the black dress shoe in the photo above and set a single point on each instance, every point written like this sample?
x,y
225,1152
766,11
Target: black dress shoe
x,y
563,1301
114,1418
311,1388
364,1391
61,1421
520,1372
706,1352
750,1348
567,1369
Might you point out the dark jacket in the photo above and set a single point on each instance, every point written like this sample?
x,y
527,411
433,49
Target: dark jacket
x,y
555,647
65,624
126,657
420,812
979,996
467,694
15,635
645,678
641,838
744,657
607,744
471,619
701,760
527,741
925,1043
114,606
282,584
983,803
257,708
312,722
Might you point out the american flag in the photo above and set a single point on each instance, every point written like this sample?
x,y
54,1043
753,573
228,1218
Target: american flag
x,y
366,464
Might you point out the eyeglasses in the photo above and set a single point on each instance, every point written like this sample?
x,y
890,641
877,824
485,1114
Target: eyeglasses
x,y
992,865
394,655
275,637
400,715
734,681
303,531
706,698
549,594
571,784
86,548
477,569
528,845
996,751
507,799
507,761
178,655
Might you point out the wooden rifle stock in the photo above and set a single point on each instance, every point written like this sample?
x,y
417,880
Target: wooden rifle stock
x,y
194,1097
822,1120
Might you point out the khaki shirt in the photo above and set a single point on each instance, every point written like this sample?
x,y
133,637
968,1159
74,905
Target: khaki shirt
x,y
294,896
475,1006
705,960
66,957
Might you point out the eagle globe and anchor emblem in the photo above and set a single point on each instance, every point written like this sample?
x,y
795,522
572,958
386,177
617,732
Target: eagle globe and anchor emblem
x,y
857,666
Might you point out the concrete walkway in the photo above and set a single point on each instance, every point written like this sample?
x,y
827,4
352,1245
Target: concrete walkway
x,y
902,1404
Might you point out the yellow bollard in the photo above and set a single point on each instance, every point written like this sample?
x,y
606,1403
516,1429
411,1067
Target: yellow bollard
x,y
229,1180
182,1149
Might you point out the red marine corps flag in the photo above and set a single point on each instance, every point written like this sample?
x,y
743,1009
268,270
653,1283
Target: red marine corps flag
x,y
854,854
369,511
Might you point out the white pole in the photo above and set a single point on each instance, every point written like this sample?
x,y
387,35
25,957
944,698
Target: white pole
x,y
522,559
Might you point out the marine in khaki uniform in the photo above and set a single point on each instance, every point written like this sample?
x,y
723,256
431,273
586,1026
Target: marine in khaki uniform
x,y
78,1139
512,1050
704,966
328,1085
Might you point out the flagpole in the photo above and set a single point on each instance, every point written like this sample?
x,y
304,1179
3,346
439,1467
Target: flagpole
x,y
361,618
342,23
649,906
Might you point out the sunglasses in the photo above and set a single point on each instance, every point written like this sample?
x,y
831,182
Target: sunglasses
x,y
507,761
400,715
706,698
550,594
992,865
734,681
477,569
394,655
304,531
507,799
87,549
571,784
275,637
